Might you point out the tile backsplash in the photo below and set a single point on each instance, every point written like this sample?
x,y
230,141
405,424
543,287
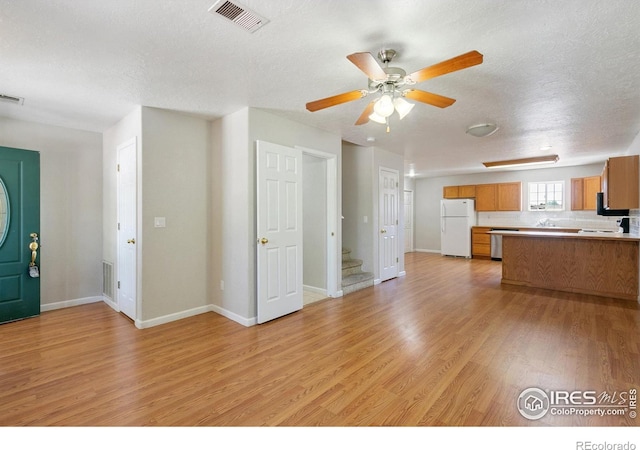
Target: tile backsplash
x,y
563,219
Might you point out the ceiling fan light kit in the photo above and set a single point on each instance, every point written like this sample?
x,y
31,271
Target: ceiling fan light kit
x,y
482,129
390,82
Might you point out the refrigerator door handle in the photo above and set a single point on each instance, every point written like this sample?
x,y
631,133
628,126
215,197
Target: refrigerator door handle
x,y
442,224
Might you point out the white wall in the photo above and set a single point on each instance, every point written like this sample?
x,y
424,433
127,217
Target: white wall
x,y
314,221
70,207
233,199
173,182
429,193
175,185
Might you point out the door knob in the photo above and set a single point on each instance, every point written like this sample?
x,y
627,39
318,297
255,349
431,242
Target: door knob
x,y
383,231
263,241
131,241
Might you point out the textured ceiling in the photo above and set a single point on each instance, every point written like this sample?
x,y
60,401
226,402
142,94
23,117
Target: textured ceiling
x,y
559,73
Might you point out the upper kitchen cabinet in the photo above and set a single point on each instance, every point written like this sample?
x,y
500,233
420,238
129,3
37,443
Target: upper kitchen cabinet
x,y
499,197
467,191
583,193
510,196
620,182
486,199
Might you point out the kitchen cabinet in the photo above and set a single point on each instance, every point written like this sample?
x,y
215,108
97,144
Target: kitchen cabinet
x,y
486,199
450,191
620,182
583,193
510,196
480,243
466,191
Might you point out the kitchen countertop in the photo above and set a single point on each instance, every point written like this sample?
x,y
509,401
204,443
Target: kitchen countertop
x,y
526,228
602,235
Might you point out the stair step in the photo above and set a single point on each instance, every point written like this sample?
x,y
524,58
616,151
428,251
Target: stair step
x,y
346,254
351,263
356,282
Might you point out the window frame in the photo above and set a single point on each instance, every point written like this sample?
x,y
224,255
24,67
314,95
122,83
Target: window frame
x,y
546,195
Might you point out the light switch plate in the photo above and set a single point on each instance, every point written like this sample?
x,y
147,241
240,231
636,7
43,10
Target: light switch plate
x,y
159,222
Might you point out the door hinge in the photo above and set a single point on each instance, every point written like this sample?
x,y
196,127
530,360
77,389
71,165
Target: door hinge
x,y
118,167
397,260
118,226
397,184
118,285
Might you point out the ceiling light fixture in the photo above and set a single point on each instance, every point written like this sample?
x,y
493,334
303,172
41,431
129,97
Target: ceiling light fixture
x,y
549,159
482,129
385,106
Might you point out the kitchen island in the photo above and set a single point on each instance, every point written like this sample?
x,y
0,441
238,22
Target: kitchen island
x,y
604,264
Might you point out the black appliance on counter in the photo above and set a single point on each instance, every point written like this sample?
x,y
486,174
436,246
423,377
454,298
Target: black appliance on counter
x,y
601,211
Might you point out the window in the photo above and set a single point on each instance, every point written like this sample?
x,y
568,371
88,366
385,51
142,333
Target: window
x,y
546,196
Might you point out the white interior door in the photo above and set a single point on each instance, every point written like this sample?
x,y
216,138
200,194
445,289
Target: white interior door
x,y
127,229
279,227
388,221
408,221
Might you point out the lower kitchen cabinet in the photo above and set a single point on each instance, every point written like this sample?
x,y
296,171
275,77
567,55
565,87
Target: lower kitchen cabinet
x,y
480,242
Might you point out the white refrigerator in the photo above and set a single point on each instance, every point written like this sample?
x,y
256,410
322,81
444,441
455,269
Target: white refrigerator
x,y
457,216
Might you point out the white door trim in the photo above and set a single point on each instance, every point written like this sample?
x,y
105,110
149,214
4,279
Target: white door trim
x,y
410,235
334,242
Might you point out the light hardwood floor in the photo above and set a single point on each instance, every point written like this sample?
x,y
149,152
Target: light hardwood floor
x,y
445,345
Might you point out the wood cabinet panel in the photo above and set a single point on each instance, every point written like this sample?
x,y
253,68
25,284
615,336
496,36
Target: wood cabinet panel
x,y
572,265
620,182
467,191
450,192
577,194
591,188
486,197
583,193
509,196
480,242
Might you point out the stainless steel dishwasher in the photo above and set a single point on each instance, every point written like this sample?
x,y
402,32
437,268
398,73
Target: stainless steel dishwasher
x,y
496,243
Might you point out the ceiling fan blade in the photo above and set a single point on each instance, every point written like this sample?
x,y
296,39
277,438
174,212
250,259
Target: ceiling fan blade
x,y
364,117
429,98
368,64
469,59
335,100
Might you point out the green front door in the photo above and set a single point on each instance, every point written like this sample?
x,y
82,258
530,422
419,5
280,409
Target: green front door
x,y
19,229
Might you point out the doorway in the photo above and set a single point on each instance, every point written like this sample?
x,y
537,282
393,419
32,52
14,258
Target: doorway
x,y
320,225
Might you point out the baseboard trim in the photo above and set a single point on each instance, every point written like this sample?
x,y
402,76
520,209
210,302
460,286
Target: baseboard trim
x,y
426,250
111,303
141,324
377,281
69,303
402,274
233,316
314,289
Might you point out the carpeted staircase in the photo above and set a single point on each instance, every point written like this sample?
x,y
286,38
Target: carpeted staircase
x,y
353,278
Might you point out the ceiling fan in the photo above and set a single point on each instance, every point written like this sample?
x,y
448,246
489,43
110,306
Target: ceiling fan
x,y
394,85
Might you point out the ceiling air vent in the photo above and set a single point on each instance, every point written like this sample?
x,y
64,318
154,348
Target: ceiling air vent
x,y
11,99
239,14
